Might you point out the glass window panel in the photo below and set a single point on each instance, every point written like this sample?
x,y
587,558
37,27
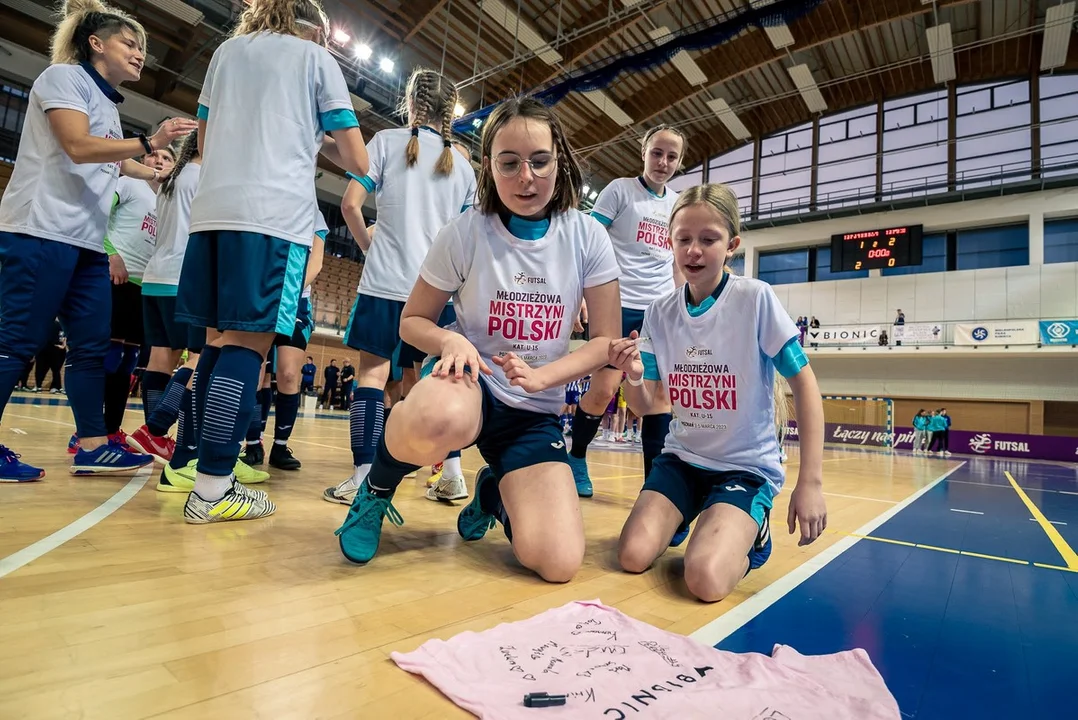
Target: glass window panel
x,y
1061,241
915,136
798,139
780,193
832,132
972,101
932,110
690,179
773,145
898,118
780,268
1010,94
1059,157
823,267
742,154
1058,108
994,169
863,126
992,121
1053,85
1009,141
785,162
731,173
992,247
933,258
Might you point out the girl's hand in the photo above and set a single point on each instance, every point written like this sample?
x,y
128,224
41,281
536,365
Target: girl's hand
x,y
624,354
170,130
117,270
807,507
457,353
520,373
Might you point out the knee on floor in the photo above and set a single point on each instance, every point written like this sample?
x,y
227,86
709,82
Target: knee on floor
x,y
712,581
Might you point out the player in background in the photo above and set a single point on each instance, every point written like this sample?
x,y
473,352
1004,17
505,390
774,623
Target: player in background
x,y
54,215
715,345
636,212
523,252
420,184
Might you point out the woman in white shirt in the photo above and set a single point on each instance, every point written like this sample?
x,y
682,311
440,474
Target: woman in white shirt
x,y
54,214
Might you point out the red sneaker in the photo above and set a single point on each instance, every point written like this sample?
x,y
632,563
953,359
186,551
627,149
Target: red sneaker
x,y
120,438
160,447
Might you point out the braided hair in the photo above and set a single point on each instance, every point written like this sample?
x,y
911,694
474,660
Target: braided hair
x,y
428,97
188,150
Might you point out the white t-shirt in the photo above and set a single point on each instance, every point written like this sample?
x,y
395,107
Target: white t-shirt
x,y
49,196
718,372
519,296
414,204
268,100
133,224
321,228
640,233
173,218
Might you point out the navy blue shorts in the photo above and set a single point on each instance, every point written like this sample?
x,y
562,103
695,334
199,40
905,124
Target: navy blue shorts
x,y
127,323
241,281
374,327
301,333
693,489
572,398
162,329
631,320
510,438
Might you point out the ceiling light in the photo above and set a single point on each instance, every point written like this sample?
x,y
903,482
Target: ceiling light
x,y
1058,24
341,37
363,51
386,64
458,110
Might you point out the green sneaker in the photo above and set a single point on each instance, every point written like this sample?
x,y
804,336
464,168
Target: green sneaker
x,y
580,476
473,521
362,529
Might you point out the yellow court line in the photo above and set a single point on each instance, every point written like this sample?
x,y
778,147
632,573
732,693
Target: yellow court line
x,y
939,549
883,540
1069,556
947,550
994,557
1053,567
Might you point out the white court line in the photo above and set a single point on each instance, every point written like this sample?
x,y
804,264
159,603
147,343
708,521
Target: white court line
x,y
1054,522
968,512
725,625
27,555
860,497
44,420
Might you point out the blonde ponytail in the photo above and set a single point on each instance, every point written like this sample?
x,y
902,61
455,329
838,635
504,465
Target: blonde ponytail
x,y
81,19
285,17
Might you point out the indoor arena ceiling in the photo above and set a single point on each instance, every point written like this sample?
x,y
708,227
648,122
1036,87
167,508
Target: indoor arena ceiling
x,y
855,51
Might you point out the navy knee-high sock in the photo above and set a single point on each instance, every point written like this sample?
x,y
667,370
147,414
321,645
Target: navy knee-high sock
x,y
287,407
653,430
186,442
584,428
200,383
154,385
366,420
386,471
230,400
117,386
164,415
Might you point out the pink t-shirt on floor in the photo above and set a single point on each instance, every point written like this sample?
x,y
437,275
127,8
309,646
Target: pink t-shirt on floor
x,y
614,667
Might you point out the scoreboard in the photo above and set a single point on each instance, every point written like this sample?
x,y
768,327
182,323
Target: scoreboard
x,y
871,249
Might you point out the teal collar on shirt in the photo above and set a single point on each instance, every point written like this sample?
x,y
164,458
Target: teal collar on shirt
x,y
644,184
523,229
698,310
102,83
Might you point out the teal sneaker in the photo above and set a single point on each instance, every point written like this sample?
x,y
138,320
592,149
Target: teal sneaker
x,y
362,529
580,475
473,521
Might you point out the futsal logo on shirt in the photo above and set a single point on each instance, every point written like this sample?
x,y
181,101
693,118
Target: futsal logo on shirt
x,y
522,278
694,352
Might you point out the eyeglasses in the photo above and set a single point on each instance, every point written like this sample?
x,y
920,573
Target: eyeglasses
x,y
508,165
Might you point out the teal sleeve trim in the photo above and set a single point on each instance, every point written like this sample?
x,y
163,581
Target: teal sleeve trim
x,y
464,209
607,222
322,234
790,359
159,289
365,181
651,366
339,120
203,112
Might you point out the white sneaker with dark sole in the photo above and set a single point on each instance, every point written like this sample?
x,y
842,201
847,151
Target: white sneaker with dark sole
x,y
239,503
448,488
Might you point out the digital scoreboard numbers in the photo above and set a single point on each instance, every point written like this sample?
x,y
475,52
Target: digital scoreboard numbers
x,y
873,249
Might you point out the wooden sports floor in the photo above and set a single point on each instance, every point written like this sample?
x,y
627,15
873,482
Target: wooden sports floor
x,y
141,615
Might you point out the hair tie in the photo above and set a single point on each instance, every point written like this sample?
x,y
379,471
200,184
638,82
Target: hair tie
x,y
447,143
415,132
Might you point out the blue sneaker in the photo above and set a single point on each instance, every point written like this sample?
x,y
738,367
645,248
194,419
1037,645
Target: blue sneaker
x,y
14,471
111,457
580,475
473,521
362,529
761,549
679,536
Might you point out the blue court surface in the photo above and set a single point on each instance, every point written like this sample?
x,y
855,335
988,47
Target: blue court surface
x,y
962,598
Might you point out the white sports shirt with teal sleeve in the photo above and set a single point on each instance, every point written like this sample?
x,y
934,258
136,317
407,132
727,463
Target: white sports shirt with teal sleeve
x,y
638,221
321,229
133,226
515,295
162,275
414,204
50,196
268,100
717,363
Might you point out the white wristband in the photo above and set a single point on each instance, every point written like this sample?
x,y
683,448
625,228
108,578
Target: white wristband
x,y
635,383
